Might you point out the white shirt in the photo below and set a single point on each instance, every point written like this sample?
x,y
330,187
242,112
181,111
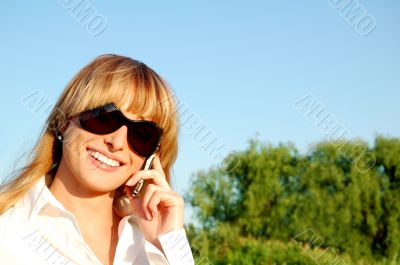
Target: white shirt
x,y
39,230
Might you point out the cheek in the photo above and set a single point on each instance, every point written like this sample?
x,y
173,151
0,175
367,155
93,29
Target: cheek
x,y
75,155
77,160
136,161
74,150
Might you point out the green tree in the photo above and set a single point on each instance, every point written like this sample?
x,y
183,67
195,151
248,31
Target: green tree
x,y
345,193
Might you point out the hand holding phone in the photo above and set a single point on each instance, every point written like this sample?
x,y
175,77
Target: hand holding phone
x,y
122,206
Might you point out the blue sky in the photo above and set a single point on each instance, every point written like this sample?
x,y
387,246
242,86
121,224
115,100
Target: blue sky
x,y
237,66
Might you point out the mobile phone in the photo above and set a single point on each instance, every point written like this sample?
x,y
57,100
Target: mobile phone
x,y
146,166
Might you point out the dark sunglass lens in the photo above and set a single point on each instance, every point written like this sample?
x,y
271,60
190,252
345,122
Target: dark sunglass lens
x,y
144,138
100,121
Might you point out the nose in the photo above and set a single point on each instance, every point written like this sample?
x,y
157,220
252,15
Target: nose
x,y
118,139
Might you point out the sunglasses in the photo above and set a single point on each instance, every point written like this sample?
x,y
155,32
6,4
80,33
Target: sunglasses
x,y
143,136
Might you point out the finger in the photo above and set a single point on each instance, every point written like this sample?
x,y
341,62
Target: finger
x,y
165,199
137,206
152,174
157,164
152,194
145,198
170,199
141,204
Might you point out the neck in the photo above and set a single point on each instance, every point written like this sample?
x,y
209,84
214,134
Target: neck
x,y
92,209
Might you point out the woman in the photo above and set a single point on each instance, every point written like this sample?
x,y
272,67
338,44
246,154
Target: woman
x,y
64,207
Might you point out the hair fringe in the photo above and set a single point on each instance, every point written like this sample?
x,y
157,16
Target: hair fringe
x,y
107,77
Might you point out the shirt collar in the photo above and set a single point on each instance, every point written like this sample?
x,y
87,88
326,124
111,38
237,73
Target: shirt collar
x,y
39,198
41,201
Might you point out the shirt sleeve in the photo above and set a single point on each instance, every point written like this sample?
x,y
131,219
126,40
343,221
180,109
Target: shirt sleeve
x,y
176,247
154,255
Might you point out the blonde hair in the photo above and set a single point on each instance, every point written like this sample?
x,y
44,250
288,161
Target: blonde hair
x,y
108,78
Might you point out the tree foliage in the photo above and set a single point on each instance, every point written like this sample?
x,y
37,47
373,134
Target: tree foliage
x,y
277,206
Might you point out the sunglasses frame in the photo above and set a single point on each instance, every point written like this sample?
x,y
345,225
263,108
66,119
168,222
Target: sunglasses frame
x,y
122,120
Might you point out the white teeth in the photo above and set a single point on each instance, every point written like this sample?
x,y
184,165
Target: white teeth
x,y
108,161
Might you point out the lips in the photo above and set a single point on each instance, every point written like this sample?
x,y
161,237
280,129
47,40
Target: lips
x,y
104,159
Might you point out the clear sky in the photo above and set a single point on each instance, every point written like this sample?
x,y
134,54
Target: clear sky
x,y
238,67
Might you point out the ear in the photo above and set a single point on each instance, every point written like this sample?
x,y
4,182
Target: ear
x,y
60,131
59,135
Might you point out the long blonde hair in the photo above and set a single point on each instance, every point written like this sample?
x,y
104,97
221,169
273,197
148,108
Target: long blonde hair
x,y
108,78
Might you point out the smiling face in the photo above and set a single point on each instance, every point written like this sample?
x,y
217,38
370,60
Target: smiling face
x,y
138,91
97,164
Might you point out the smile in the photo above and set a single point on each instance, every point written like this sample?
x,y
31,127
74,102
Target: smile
x,y
106,161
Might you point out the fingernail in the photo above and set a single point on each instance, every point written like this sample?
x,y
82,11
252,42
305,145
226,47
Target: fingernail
x,y
129,183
